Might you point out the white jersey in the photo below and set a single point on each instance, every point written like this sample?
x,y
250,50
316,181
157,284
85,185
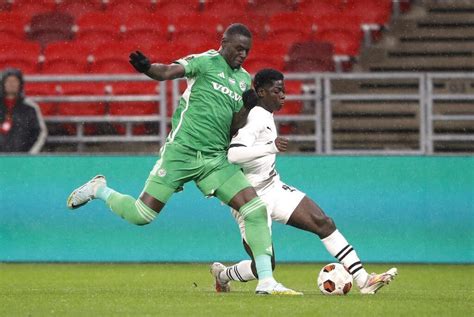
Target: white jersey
x,y
254,149
258,158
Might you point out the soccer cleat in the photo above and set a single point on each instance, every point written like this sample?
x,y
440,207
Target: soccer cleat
x,y
276,289
377,281
82,195
221,286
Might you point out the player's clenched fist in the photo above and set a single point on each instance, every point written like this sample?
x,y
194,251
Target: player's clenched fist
x,y
250,98
140,62
281,144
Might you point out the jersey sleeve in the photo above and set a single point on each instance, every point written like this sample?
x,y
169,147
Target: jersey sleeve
x,y
193,64
242,148
247,135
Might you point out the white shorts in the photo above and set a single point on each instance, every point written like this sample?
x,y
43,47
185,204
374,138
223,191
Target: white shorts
x,y
281,200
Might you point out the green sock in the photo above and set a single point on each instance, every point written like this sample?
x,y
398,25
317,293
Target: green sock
x,y
130,209
258,235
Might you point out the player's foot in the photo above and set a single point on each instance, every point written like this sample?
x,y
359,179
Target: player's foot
x,y
376,281
82,195
276,288
221,286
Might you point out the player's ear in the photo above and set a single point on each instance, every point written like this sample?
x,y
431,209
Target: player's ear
x,y
261,92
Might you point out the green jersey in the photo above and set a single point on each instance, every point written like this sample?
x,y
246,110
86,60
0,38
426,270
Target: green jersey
x,y
204,115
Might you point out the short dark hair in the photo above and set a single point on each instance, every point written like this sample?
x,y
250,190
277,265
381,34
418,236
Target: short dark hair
x,y
238,28
266,77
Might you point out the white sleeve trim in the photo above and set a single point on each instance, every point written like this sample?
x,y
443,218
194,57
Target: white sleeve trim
x,y
242,154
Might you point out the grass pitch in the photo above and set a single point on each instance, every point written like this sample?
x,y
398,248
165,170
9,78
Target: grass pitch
x,y
187,290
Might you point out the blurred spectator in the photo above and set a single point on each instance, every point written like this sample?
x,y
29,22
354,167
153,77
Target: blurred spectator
x,y
22,128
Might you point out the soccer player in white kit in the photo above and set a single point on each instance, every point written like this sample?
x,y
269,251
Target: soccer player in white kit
x,y
254,148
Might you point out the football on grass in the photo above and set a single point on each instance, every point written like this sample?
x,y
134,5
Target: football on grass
x,y
334,279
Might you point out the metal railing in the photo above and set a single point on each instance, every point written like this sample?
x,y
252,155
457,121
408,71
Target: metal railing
x,y
322,94
462,91
330,97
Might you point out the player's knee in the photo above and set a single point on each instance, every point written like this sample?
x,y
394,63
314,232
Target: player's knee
x,y
255,214
327,226
143,214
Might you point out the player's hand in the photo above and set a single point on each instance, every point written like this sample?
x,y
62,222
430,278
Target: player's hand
x,y
140,62
250,98
281,144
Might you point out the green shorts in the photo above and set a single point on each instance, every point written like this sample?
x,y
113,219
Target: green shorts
x,y
212,173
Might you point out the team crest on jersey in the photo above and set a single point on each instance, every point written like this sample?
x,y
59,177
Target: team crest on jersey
x,y
162,172
243,86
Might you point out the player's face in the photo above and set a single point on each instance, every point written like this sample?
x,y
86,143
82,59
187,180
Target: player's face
x,y
274,96
235,49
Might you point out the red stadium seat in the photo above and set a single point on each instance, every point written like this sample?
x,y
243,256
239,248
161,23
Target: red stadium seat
x,y
225,9
255,63
20,54
370,11
29,8
270,7
146,27
50,27
256,23
113,58
66,58
12,25
273,48
112,65
173,9
293,107
98,28
192,31
33,89
345,42
342,21
123,8
82,108
289,27
78,8
310,56
174,51
134,108
292,87
318,8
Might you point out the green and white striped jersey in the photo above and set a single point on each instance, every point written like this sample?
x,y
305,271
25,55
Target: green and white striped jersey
x,y
204,115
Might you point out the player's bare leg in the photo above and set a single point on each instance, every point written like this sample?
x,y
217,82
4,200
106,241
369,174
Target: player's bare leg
x,y
310,217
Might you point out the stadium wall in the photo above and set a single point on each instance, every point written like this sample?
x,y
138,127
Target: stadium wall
x,y
392,209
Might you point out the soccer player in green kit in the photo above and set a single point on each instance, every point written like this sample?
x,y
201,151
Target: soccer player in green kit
x,y
213,105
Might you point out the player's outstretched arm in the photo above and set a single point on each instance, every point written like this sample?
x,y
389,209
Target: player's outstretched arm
x,y
156,71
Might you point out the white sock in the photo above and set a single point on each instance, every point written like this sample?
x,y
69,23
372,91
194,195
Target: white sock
x,y
339,248
241,271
